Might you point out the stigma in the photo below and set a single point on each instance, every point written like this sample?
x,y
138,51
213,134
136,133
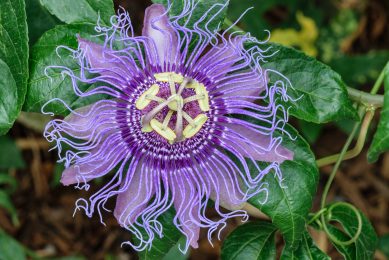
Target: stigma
x,y
174,107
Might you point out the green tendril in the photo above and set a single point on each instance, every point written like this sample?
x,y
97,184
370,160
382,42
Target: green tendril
x,y
317,215
328,217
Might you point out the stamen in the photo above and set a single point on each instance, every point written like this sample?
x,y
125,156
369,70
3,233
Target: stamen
x,y
193,98
169,76
146,128
200,90
167,119
175,103
203,103
149,116
155,98
142,102
191,130
167,133
189,119
172,85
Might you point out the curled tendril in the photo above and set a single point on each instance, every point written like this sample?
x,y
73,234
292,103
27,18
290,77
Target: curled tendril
x,y
325,215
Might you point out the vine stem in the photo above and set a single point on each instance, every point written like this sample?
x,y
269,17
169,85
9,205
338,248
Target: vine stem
x,y
340,159
379,80
371,101
330,180
362,97
358,146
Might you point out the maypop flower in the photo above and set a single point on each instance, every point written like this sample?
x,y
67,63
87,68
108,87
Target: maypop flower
x,y
189,114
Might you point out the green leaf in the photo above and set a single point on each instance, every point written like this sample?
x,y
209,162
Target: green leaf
x,y
8,181
310,131
348,252
58,170
43,88
290,201
9,98
252,240
39,20
14,54
202,7
81,11
365,245
306,251
383,245
162,245
381,137
6,203
175,253
10,248
10,154
320,92
354,70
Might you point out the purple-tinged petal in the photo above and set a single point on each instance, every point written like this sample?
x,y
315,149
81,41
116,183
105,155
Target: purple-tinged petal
x,y
91,120
247,86
218,59
229,194
93,165
158,28
71,175
187,207
133,199
252,144
102,59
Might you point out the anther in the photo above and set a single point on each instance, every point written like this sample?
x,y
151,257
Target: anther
x,y
147,128
193,98
204,102
169,76
142,102
155,98
200,91
167,133
190,130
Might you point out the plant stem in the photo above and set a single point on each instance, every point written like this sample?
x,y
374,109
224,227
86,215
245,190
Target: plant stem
x,y
371,101
339,160
379,80
358,146
365,98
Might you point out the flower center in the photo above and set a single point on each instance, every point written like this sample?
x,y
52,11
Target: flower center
x,y
169,109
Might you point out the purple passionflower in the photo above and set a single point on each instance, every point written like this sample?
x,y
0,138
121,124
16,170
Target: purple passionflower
x,y
189,113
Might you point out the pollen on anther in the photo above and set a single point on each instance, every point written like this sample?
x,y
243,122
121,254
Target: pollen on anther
x,y
142,102
192,129
165,132
169,76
